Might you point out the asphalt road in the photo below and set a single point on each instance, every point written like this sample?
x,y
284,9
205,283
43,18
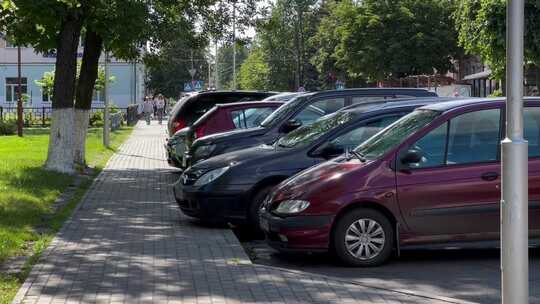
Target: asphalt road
x,y
470,275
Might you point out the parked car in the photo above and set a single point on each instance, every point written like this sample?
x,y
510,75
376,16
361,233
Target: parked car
x,y
302,110
221,118
232,186
431,177
190,108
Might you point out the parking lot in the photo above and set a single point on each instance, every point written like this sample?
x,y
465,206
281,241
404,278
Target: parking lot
x,y
471,275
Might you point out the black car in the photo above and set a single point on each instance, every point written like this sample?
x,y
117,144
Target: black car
x,y
230,187
190,108
302,110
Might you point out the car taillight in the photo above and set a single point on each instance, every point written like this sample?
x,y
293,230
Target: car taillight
x,y
200,131
178,125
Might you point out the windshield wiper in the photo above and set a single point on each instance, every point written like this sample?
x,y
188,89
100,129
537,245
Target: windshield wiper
x,y
358,155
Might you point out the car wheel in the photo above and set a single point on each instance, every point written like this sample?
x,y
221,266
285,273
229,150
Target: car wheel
x,y
363,237
258,199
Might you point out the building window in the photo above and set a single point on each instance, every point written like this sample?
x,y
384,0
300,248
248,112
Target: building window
x,y
98,96
45,97
12,84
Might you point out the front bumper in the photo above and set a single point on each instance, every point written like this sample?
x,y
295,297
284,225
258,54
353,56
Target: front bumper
x,y
220,206
297,233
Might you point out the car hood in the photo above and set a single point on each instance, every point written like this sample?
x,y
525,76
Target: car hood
x,y
327,172
250,155
230,135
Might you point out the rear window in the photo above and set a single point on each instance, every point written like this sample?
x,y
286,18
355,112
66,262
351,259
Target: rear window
x,y
250,118
194,108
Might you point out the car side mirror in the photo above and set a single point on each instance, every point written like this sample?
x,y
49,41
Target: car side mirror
x,y
290,125
412,156
330,151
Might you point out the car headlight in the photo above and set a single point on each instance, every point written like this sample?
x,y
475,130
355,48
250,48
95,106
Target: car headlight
x,y
204,152
292,206
211,176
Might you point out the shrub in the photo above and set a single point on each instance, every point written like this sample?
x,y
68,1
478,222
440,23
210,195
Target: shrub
x,y
8,127
96,119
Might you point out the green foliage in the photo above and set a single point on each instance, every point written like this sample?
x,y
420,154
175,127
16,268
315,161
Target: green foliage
x,y
8,127
497,93
391,39
96,119
481,26
283,37
225,62
47,80
255,72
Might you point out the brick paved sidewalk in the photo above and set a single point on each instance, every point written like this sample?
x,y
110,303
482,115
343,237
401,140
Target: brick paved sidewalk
x,y
128,243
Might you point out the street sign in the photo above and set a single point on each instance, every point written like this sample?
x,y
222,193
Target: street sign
x,y
192,72
188,87
198,85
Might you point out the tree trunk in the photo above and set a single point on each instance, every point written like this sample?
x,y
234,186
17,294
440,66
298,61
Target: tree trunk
x,y
93,45
60,154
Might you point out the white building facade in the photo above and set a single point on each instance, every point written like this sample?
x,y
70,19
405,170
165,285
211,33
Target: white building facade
x,y
128,87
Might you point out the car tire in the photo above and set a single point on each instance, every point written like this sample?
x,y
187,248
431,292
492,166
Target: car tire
x,y
255,205
363,238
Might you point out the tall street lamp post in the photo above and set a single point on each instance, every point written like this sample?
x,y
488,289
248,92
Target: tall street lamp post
x,y
106,113
514,201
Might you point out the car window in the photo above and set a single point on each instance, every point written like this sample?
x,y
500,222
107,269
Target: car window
x,y
353,138
250,118
468,138
531,126
308,134
282,112
433,148
318,109
474,137
389,138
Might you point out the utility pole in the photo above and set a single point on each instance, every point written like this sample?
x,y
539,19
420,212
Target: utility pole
x,y
19,95
234,45
514,190
106,114
216,67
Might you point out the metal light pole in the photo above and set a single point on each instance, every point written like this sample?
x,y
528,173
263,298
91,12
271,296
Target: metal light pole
x,y
216,67
234,45
514,191
106,114
19,95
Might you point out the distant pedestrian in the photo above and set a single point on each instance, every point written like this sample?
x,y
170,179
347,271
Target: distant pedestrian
x,y
148,109
160,107
534,92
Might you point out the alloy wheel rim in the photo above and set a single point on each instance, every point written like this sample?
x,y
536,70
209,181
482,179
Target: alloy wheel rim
x,y
365,239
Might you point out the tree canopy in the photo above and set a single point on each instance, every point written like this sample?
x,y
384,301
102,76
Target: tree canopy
x,y
481,27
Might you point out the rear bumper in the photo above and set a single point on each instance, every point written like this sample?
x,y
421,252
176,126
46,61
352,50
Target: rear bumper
x,y
297,233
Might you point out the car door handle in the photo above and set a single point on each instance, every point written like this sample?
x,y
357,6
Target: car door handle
x,y
490,176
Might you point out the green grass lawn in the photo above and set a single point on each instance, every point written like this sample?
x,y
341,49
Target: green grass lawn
x,y
27,192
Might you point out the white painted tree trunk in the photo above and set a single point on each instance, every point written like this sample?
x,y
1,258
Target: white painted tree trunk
x,y
80,130
60,156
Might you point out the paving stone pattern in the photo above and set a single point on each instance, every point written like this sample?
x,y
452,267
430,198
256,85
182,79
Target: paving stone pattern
x,y
128,243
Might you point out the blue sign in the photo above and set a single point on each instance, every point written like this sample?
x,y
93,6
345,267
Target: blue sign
x,y
199,85
188,87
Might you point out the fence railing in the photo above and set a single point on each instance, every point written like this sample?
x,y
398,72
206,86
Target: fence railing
x,y
41,116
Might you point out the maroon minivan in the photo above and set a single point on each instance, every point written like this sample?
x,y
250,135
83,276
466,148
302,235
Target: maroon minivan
x,y
431,177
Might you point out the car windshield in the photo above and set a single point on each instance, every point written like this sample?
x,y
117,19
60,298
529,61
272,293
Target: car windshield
x,y
307,134
282,112
395,134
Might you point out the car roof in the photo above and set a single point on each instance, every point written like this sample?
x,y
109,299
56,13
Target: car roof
x,y
224,93
378,90
248,104
390,104
452,105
